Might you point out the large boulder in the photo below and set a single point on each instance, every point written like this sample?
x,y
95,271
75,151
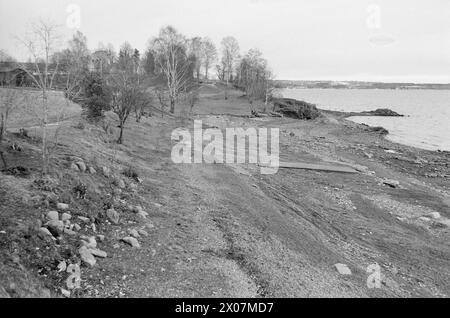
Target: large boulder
x,y
295,108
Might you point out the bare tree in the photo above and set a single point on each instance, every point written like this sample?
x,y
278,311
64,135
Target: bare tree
x,y
209,55
169,51
41,43
230,52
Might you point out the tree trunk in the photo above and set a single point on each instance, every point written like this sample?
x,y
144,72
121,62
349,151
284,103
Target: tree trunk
x,y
172,105
44,133
120,140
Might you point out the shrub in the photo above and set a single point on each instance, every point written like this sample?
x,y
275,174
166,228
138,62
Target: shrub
x,y
96,96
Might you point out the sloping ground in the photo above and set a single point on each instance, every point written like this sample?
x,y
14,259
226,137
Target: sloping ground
x,y
228,231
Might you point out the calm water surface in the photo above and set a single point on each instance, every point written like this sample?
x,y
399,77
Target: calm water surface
x,y
426,126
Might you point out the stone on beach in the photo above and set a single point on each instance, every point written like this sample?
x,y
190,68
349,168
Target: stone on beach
x,y
343,269
86,256
131,241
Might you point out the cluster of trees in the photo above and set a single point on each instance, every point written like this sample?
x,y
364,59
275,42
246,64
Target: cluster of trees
x,y
171,69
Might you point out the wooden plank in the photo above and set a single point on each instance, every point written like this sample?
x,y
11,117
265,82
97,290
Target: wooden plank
x,y
316,167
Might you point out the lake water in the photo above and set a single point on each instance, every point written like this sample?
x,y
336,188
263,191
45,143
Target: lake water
x,y
426,126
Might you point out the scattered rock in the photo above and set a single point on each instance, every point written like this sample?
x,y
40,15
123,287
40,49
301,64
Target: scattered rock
x,y
55,227
106,171
69,232
92,170
76,227
101,238
98,253
65,217
392,183
81,165
52,216
113,216
84,219
89,242
424,219
143,232
45,231
74,167
62,206
343,269
62,266
132,241
368,155
86,256
133,233
435,215
65,292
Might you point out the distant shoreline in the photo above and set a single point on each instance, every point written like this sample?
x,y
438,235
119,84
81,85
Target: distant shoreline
x,y
282,84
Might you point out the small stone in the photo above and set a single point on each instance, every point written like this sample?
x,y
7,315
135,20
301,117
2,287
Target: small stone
x,y
45,231
86,256
65,292
143,214
74,167
89,242
92,170
76,227
435,215
101,238
106,172
149,225
66,217
69,232
445,222
84,219
81,165
391,183
343,269
424,219
55,227
143,233
368,155
62,266
132,241
113,216
62,206
133,233
52,216
98,253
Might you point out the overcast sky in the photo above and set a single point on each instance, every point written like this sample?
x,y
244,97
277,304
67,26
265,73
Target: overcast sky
x,y
321,39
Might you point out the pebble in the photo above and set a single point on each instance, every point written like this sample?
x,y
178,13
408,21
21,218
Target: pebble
x,y
143,232
74,167
76,227
98,253
106,172
435,215
101,238
343,269
92,170
55,227
89,242
133,233
86,256
131,241
81,165
52,216
113,216
66,217
45,231
69,232
62,206
84,219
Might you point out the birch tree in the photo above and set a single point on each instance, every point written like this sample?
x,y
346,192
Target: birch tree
x,y
41,43
169,50
230,53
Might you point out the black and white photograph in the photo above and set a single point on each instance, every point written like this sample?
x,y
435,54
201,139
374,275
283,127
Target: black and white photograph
x,y
224,155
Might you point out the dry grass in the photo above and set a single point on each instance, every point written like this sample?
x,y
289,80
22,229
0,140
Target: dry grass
x,y
30,110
